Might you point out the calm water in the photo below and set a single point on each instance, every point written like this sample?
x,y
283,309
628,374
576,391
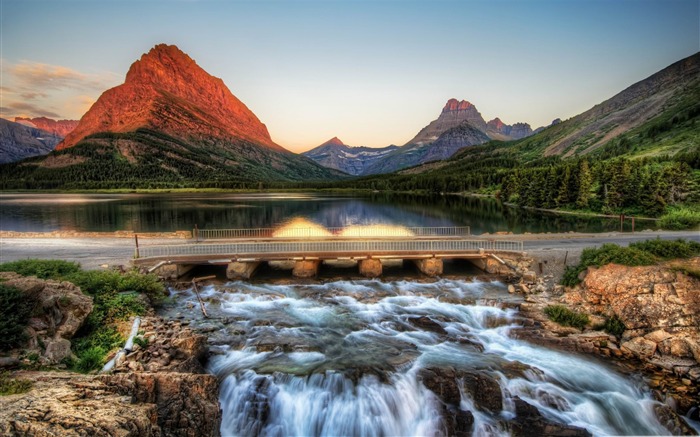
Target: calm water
x,y
170,212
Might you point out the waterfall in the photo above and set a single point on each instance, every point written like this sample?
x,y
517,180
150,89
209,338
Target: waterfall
x,y
345,359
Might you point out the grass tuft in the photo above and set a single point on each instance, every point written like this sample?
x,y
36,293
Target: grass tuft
x,y
13,386
565,317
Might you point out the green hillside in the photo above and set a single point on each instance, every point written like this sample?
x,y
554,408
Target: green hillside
x,y
150,159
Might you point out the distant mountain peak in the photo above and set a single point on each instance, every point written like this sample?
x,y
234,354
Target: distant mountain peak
x,y
167,91
456,105
56,127
495,124
335,141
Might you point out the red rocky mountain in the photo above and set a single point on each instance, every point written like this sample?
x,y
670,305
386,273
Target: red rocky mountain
x,y
168,92
60,128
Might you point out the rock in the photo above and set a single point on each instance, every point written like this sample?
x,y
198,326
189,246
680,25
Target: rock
x,y
57,350
442,382
529,422
639,347
638,295
187,404
511,288
484,390
427,324
658,336
117,405
672,421
60,310
9,362
529,277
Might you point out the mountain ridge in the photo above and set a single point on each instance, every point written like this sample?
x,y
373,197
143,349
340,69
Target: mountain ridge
x,y
170,123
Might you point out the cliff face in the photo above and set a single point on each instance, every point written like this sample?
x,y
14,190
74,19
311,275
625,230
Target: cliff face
x,y
167,91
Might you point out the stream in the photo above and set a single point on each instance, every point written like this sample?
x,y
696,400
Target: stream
x,y
361,358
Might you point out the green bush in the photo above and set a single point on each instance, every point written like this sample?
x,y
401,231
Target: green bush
x,y
41,268
565,317
679,219
614,326
96,283
13,386
90,359
15,310
607,254
669,249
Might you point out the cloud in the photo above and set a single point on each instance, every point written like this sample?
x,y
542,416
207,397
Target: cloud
x,y
27,109
34,96
36,89
33,75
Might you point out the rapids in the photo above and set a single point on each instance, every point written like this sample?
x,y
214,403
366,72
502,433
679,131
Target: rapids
x,y
345,357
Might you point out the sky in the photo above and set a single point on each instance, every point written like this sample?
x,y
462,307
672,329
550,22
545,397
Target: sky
x,y
372,73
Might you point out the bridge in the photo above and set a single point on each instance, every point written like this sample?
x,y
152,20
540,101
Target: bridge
x,y
242,251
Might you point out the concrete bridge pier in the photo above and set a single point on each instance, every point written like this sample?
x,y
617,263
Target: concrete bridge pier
x,y
429,266
170,272
241,269
306,268
370,268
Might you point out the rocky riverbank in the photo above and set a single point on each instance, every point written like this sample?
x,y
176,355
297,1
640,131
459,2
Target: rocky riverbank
x,y
159,389
658,308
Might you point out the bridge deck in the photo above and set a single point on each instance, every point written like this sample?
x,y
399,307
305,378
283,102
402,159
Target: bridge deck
x,y
324,249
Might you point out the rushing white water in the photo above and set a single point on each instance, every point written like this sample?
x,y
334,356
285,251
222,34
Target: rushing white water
x,y
344,358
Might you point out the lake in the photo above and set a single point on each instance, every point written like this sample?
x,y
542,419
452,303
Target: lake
x,y
166,212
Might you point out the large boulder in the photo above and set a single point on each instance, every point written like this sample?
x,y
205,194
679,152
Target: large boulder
x,y
136,404
648,298
60,310
529,422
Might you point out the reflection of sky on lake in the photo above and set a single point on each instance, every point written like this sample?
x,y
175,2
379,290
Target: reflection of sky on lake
x,y
181,211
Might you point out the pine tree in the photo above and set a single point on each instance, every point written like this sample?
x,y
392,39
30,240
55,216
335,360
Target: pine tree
x,y
585,181
563,196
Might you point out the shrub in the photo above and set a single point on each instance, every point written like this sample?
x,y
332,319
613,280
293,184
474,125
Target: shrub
x,y
669,249
13,386
91,359
147,284
565,317
614,326
679,219
91,349
15,310
41,268
607,254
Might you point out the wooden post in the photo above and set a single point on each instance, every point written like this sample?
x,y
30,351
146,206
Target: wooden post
x,y
622,221
196,291
136,238
196,232
566,255
633,225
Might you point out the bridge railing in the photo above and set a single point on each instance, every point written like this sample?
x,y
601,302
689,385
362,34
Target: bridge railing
x,y
379,231
316,248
